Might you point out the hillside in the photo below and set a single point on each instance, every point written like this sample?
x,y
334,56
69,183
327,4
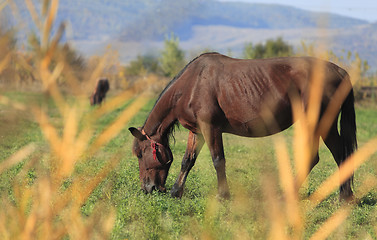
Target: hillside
x,y
134,27
181,17
131,20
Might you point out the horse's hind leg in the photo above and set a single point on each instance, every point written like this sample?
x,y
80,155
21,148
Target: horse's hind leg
x,y
194,145
334,142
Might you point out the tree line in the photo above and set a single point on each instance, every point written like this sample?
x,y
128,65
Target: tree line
x,y
172,59
17,66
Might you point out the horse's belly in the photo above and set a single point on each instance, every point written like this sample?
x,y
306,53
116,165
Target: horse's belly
x,y
260,122
256,127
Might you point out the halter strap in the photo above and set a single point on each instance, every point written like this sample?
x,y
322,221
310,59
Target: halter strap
x,y
154,145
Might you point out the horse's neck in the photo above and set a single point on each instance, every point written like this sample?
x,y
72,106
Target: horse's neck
x,y
160,119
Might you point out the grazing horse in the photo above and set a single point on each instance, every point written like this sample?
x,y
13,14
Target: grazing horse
x,y
216,94
100,91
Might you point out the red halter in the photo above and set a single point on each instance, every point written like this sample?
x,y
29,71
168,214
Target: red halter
x,y
154,145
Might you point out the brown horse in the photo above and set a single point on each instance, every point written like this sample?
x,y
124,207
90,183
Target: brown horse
x,y
100,91
216,94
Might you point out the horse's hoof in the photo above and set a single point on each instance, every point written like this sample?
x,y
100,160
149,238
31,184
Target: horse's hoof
x,y
223,195
350,198
176,192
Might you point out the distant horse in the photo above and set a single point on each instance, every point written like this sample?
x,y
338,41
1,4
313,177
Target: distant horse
x,y
216,94
100,91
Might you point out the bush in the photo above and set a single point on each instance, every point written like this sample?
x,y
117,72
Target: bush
x,y
272,48
142,66
172,57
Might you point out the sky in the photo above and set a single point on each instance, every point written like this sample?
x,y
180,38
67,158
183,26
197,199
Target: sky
x,y
362,9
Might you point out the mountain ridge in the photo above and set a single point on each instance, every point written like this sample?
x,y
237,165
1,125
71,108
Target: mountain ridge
x,y
131,20
94,24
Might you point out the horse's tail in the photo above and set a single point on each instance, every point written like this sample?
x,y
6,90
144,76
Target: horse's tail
x,y
348,129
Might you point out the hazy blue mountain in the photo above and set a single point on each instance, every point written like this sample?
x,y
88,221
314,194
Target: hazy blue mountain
x,y
137,26
153,19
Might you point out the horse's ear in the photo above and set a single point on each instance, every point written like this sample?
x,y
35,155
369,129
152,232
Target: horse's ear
x,y
137,134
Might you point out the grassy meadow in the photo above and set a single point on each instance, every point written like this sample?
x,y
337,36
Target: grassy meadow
x,y
99,196
67,171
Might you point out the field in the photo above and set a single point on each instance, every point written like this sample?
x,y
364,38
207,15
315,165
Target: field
x,y
67,170
98,196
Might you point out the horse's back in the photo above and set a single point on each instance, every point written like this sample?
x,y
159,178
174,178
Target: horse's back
x,y
250,95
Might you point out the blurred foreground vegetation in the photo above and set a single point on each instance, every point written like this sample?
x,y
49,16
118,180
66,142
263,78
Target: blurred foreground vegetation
x,y
100,197
67,172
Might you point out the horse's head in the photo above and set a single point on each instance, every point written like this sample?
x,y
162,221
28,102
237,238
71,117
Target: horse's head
x,y
154,161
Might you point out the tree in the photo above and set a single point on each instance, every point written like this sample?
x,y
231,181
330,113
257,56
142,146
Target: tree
x,y
63,52
8,49
272,48
143,65
172,57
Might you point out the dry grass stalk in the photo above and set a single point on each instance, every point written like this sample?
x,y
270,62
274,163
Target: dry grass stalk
x,y
46,209
5,62
3,4
332,223
17,157
345,171
116,127
306,135
340,216
293,212
278,229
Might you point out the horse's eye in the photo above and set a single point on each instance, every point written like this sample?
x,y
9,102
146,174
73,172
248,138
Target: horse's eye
x,y
139,155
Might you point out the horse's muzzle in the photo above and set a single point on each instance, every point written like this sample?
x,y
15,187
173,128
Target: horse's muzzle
x,y
150,187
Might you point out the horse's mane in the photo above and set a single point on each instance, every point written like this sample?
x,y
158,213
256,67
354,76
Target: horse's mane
x,y
171,128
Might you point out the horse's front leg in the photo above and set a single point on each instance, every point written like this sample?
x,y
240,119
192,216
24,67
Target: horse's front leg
x,y
213,138
194,145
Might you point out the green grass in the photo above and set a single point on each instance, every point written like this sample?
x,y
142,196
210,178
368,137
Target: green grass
x,y
199,214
